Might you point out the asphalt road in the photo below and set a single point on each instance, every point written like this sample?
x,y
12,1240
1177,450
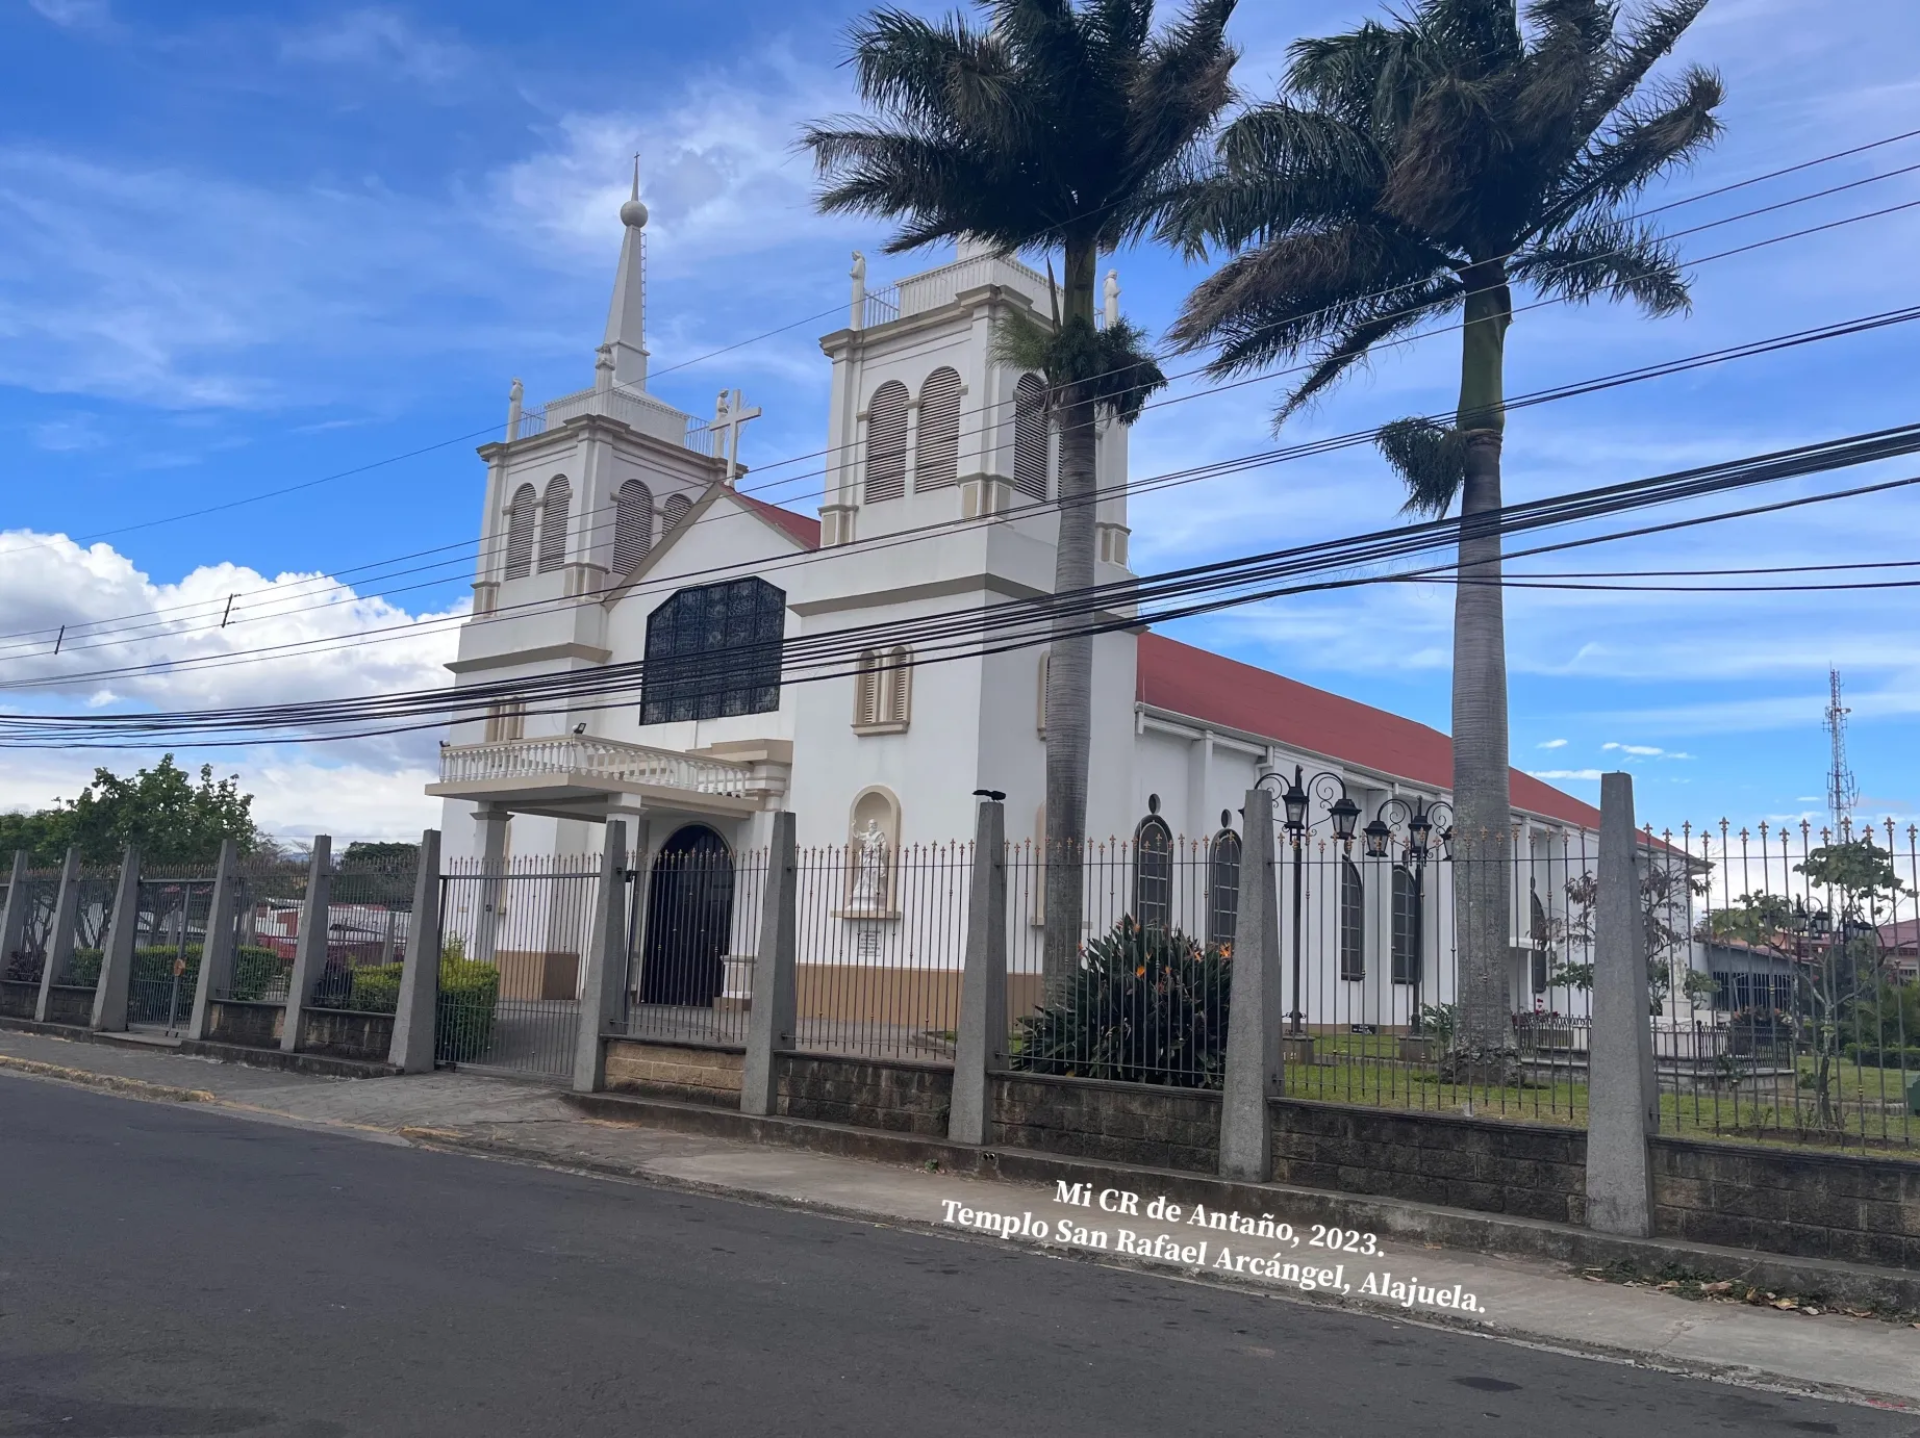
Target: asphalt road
x,y
172,1271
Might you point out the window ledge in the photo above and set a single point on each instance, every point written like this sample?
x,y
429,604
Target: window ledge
x,y
894,728
866,913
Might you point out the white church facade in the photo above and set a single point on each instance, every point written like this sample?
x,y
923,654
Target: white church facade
x,y
619,533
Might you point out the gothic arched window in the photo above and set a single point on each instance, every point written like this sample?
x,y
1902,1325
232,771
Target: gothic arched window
x,y
1404,945
520,532
1030,437
936,457
632,525
554,507
712,651
672,512
887,443
1223,887
1541,936
1153,872
1353,921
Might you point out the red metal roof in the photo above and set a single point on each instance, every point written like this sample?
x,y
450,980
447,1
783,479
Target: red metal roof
x,y
1216,690
803,527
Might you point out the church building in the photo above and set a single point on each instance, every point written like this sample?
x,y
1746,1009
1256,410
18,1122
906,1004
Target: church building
x,y
617,530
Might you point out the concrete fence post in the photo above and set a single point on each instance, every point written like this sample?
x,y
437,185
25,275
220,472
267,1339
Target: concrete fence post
x,y
116,959
980,1045
411,1050
773,1017
66,913
600,988
1622,1098
216,946
13,918
310,945
1254,1073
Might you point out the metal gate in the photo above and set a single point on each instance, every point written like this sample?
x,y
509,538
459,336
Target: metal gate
x,y
167,943
513,957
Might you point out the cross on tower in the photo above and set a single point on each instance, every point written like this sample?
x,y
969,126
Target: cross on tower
x,y
728,415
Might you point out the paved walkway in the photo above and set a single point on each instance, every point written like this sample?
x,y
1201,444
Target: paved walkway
x,y
1512,1299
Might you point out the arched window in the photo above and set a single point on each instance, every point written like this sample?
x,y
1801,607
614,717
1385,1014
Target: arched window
x,y
1030,437
936,458
520,532
1541,936
1353,922
1153,870
1223,886
887,443
1404,945
632,525
672,512
883,689
712,651
554,506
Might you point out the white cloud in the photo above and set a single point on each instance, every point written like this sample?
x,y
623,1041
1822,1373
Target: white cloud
x,y
47,581
1551,744
1644,751
380,39
75,14
1562,774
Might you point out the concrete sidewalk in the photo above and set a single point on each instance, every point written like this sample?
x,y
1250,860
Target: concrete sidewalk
x,y
1832,1354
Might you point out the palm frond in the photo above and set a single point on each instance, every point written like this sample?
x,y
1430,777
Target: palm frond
x,y
1430,458
1644,45
1273,302
1606,258
1393,316
1642,143
1180,85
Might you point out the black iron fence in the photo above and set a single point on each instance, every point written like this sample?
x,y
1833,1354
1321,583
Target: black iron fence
x,y
692,933
26,956
1797,1017
514,948
169,936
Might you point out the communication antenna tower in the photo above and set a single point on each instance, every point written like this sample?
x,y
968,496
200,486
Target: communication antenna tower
x,y
1842,792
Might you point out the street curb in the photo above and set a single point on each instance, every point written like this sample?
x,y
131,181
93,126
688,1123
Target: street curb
x,y
448,1141
1851,1285
315,1065
113,1083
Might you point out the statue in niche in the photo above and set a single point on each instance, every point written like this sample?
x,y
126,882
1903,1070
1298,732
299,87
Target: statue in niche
x,y
869,894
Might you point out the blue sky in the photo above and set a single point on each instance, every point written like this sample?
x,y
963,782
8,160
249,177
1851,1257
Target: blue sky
x,y
247,247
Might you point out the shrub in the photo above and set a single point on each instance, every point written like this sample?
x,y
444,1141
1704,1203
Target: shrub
x,y
259,974
1889,1056
1145,1005
84,968
464,1015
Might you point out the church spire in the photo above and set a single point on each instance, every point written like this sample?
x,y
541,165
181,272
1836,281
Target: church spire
x,y
626,320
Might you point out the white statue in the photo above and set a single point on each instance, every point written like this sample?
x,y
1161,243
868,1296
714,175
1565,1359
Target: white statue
x,y
870,873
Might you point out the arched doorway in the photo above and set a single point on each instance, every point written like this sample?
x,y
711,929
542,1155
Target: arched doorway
x,y
689,920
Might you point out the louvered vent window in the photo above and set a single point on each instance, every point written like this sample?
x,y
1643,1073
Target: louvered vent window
x,y
1030,437
632,525
553,523
520,532
937,457
887,443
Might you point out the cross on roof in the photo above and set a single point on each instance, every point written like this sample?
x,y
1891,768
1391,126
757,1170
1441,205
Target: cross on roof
x,y
728,416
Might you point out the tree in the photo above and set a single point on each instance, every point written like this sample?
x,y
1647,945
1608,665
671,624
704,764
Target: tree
x,y
1416,168
1667,889
172,819
1843,993
1057,126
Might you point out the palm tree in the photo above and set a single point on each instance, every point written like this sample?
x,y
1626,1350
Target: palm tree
x,y
1422,166
1055,126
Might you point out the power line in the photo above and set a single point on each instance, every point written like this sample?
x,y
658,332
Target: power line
x,y
1027,623
416,628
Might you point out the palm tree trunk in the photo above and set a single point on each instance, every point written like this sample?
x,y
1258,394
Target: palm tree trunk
x,y
1483,873
1070,656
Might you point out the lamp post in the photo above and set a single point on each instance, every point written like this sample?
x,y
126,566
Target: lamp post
x,y
1419,819
1295,800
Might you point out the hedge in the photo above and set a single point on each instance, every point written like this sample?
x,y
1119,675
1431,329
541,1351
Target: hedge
x,y
1890,1057
464,1015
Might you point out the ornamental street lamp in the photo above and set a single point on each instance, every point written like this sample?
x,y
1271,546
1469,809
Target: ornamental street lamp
x,y
1418,818
1296,799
